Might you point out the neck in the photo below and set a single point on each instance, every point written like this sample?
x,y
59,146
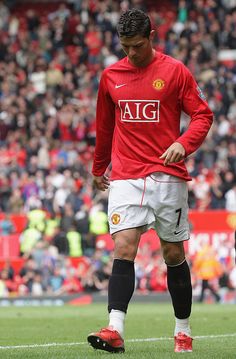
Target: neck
x,y
149,58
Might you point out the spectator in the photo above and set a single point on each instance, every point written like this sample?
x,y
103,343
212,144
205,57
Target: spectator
x,y
232,277
28,238
27,275
37,219
98,220
71,284
230,199
4,292
60,241
16,203
6,225
36,286
207,268
67,218
55,281
75,242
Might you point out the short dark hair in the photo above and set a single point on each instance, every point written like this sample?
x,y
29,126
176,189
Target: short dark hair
x,y
134,22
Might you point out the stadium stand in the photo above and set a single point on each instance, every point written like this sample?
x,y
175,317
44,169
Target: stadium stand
x,y
51,57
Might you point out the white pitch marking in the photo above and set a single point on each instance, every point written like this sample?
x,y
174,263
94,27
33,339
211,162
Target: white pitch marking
x,y
47,345
171,338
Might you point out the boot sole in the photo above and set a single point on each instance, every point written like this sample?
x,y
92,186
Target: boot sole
x,y
97,343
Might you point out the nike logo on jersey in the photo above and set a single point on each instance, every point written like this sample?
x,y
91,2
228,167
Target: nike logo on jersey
x,y
118,86
177,232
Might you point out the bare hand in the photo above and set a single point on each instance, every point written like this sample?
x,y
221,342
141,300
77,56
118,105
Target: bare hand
x,y
101,182
173,154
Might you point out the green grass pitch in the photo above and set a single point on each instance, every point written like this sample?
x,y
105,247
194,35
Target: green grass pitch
x,y
60,332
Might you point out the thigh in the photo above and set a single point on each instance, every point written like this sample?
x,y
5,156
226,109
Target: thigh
x,y
126,243
125,208
172,209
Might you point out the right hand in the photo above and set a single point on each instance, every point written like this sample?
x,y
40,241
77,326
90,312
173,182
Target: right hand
x,y
173,154
101,182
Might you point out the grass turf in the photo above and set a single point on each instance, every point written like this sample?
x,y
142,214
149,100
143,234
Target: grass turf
x,y
67,327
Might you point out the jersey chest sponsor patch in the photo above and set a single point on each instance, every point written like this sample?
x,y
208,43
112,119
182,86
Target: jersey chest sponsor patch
x,y
139,110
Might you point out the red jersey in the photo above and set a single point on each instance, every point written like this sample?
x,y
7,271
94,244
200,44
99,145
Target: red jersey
x,y
138,117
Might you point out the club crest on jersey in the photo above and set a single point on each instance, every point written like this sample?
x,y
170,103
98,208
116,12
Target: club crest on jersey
x,y
139,110
115,218
158,84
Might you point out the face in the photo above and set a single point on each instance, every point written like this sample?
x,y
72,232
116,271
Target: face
x,y
138,49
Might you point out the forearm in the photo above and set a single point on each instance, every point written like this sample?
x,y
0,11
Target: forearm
x,y
196,133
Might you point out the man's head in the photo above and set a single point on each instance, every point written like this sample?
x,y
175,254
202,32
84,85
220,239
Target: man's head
x,y
134,30
134,22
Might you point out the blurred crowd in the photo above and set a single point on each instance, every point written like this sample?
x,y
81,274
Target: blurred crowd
x,y
51,59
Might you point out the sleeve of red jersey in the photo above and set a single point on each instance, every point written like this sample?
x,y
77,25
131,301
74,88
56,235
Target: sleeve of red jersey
x,y
193,104
105,122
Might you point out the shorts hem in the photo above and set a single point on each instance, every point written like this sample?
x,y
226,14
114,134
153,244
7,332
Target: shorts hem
x,y
146,226
175,240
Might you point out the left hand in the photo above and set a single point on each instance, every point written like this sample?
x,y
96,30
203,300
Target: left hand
x,y
101,182
173,154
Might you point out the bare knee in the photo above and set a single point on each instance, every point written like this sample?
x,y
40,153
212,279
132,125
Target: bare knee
x,y
173,253
124,250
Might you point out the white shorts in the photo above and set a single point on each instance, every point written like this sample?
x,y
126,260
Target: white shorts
x,y
159,201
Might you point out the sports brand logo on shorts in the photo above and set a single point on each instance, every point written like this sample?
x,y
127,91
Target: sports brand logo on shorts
x,y
115,218
139,110
158,84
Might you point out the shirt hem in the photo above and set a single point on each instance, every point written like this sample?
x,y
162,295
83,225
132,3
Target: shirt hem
x,y
148,173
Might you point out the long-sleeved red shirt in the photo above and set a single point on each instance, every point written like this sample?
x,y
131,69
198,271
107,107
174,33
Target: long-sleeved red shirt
x,y
138,117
